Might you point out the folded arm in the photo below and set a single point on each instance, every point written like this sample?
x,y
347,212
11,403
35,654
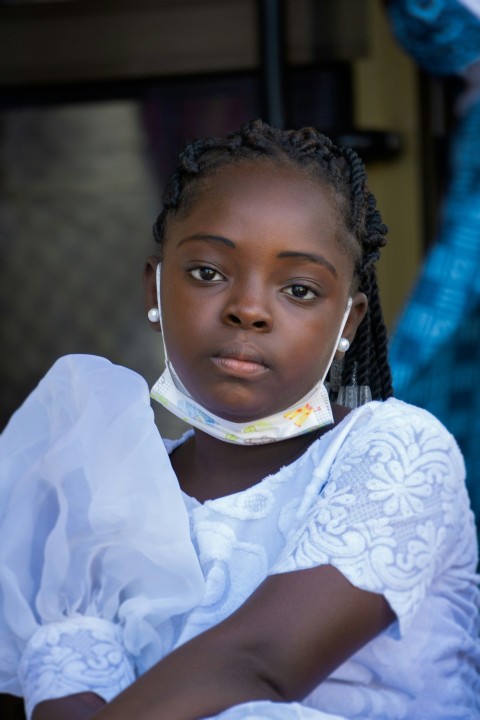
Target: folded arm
x,y
282,642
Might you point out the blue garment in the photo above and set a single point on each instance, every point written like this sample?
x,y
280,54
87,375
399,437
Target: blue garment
x,y
435,350
442,35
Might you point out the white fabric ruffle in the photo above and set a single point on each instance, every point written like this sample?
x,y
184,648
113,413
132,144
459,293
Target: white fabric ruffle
x,y
92,519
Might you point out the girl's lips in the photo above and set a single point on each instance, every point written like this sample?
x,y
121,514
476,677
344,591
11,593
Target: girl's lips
x,y
238,366
239,359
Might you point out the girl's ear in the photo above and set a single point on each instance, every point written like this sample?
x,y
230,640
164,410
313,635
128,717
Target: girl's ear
x,y
150,287
357,313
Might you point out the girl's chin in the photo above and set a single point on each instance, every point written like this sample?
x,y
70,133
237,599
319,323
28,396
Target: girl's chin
x,y
245,407
247,416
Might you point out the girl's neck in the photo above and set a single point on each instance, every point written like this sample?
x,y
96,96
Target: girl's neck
x,y
208,468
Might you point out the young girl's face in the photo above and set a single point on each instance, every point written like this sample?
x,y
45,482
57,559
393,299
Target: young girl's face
x,y
254,285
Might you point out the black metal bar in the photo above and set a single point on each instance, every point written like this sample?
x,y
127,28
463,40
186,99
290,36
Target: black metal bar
x,y
272,58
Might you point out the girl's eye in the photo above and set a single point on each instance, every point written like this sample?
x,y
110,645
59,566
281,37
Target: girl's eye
x,y
205,273
300,292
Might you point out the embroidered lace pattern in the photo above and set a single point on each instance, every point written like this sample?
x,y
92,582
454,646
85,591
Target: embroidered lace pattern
x,y
381,498
78,655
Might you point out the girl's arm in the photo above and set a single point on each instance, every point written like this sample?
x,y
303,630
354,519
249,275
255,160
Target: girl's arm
x,y
282,642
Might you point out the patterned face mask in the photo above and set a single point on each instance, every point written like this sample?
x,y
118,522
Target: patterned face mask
x,y
311,412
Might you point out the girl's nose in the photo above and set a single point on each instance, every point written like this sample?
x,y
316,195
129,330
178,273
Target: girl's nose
x,y
248,311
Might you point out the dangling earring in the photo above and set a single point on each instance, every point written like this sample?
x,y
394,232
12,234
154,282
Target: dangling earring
x,y
353,395
336,369
153,315
335,377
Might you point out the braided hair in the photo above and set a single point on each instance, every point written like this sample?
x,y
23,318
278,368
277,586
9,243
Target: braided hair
x,y
366,362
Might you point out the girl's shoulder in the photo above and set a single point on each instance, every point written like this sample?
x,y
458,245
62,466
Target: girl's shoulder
x,y
76,374
397,421
80,394
389,433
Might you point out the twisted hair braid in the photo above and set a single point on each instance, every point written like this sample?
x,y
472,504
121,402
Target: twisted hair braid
x,y
366,362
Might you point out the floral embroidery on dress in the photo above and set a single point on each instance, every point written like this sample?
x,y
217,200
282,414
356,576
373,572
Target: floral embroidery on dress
x,y
68,657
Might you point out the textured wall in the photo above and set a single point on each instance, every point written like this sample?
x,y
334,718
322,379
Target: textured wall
x,y
77,202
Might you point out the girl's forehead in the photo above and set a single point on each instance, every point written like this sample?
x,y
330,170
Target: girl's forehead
x,y
271,182
282,207
268,189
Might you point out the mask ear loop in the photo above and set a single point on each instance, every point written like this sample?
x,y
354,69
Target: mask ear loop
x,y
340,332
159,304
321,381
168,365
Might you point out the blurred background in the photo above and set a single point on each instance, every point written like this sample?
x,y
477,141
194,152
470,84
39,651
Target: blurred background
x,y
98,96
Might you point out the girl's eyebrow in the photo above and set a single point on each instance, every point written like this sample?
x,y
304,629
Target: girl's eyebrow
x,y
208,238
310,257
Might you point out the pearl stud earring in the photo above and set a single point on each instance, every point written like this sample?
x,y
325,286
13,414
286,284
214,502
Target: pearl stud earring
x,y
153,315
343,345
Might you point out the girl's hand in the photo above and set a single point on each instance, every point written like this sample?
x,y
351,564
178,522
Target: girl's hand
x,y
73,707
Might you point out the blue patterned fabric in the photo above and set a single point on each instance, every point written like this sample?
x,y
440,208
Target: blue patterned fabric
x,y
435,351
442,35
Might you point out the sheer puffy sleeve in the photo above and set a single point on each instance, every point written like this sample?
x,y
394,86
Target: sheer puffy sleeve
x,y
95,548
391,513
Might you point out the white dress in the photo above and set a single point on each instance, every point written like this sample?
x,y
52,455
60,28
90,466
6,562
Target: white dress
x,y
99,577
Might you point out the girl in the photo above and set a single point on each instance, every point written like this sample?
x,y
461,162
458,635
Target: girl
x,y
314,560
